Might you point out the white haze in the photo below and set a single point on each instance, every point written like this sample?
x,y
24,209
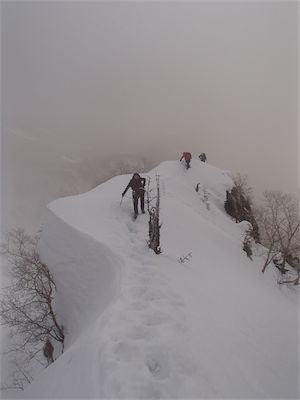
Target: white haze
x,y
86,81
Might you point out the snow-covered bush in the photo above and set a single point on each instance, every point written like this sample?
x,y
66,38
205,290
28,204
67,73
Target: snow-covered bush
x,y
204,195
279,225
153,211
247,243
185,258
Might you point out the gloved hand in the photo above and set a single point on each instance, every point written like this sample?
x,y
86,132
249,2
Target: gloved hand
x,y
123,194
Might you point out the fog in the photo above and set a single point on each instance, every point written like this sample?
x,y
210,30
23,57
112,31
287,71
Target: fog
x,y
85,80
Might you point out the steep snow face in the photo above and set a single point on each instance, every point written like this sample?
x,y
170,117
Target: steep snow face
x,y
141,325
86,273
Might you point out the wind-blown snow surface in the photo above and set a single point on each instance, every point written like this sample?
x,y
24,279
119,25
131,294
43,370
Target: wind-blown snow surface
x,y
141,325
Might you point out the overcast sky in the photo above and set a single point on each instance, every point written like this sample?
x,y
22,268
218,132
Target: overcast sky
x,y
87,78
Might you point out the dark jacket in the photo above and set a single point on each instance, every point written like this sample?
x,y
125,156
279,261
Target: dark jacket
x,y
137,185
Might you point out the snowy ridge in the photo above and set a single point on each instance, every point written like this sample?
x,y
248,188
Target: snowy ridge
x,y
146,326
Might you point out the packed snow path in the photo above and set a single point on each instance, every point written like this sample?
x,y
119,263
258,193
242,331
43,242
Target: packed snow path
x,y
140,325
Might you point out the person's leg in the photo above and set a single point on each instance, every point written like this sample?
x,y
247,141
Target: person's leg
x,y
135,199
188,163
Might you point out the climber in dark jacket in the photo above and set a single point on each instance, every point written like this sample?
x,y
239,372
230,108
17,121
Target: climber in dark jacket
x,y
203,157
137,184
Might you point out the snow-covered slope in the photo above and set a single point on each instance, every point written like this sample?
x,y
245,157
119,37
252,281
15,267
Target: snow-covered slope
x,y
141,325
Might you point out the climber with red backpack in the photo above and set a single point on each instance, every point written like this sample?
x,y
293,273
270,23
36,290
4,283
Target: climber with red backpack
x,y
187,158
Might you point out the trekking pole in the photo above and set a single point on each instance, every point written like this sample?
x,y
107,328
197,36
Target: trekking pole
x,y
121,201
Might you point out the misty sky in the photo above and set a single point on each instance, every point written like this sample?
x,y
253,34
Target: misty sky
x,y
156,78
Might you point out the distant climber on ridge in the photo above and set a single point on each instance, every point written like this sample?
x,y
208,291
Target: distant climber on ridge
x,y
137,184
203,157
187,158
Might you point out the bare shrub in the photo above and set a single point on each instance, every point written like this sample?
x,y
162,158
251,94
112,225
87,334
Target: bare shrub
x,y
153,211
279,225
26,305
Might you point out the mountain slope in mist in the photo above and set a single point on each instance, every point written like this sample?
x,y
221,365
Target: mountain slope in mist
x,y
140,325
35,173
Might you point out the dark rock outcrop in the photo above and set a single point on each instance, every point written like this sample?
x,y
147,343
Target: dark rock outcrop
x,y
239,207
